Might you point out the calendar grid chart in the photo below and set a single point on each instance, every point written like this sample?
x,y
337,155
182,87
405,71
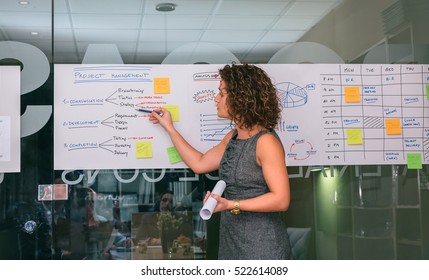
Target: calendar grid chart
x,y
392,114
414,107
352,122
331,103
372,100
425,90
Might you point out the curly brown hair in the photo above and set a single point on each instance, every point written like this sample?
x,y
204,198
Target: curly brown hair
x,y
252,98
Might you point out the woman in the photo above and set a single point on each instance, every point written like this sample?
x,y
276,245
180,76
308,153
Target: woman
x,y
251,161
165,203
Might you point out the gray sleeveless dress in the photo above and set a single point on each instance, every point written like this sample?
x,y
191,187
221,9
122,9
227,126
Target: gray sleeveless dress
x,y
249,235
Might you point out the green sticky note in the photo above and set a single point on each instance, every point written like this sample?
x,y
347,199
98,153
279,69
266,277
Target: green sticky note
x,y
173,155
414,161
427,91
354,136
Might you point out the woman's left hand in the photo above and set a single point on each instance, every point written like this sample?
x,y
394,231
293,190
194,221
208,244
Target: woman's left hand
x,y
222,203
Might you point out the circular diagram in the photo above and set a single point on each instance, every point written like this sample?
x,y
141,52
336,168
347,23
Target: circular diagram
x,y
291,95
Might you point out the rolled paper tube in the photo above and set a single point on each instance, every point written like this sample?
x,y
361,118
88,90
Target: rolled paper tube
x,y
208,207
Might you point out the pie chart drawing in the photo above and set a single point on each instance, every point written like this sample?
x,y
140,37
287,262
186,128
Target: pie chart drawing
x,y
292,95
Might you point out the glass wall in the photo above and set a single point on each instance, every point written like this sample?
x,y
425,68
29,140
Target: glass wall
x,y
336,212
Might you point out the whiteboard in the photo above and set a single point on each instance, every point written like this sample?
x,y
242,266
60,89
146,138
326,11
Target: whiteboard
x,y
333,114
10,122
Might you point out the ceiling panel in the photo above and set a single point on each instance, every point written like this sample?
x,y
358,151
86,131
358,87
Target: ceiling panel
x,y
247,28
252,8
106,21
23,19
231,36
183,35
22,34
151,47
153,21
64,35
60,6
65,47
104,35
127,47
152,35
287,36
186,22
295,23
184,7
33,6
104,6
241,22
314,8
62,21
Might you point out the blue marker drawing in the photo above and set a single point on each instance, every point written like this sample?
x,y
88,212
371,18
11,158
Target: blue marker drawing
x,y
213,128
292,95
148,111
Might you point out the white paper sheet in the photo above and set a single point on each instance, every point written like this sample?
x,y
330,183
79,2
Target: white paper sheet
x,y
5,138
207,210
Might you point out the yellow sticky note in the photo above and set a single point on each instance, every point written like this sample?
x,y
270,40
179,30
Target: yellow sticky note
x,y
352,94
174,111
354,136
143,149
161,85
173,155
393,126
414,161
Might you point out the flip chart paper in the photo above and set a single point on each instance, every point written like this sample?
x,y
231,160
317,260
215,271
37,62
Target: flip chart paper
x,y
5,138
208,207
10,119
96,125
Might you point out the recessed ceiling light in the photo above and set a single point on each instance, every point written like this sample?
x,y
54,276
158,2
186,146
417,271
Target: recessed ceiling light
x,y
34,33
165,7
23,2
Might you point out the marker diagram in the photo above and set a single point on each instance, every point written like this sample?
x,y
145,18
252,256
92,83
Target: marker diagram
x,y
213,128
301,150
124,102
292,95
290,127
102,117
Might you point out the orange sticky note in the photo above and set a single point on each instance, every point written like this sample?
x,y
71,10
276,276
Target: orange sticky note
x,y
393,126
352,94
161,85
